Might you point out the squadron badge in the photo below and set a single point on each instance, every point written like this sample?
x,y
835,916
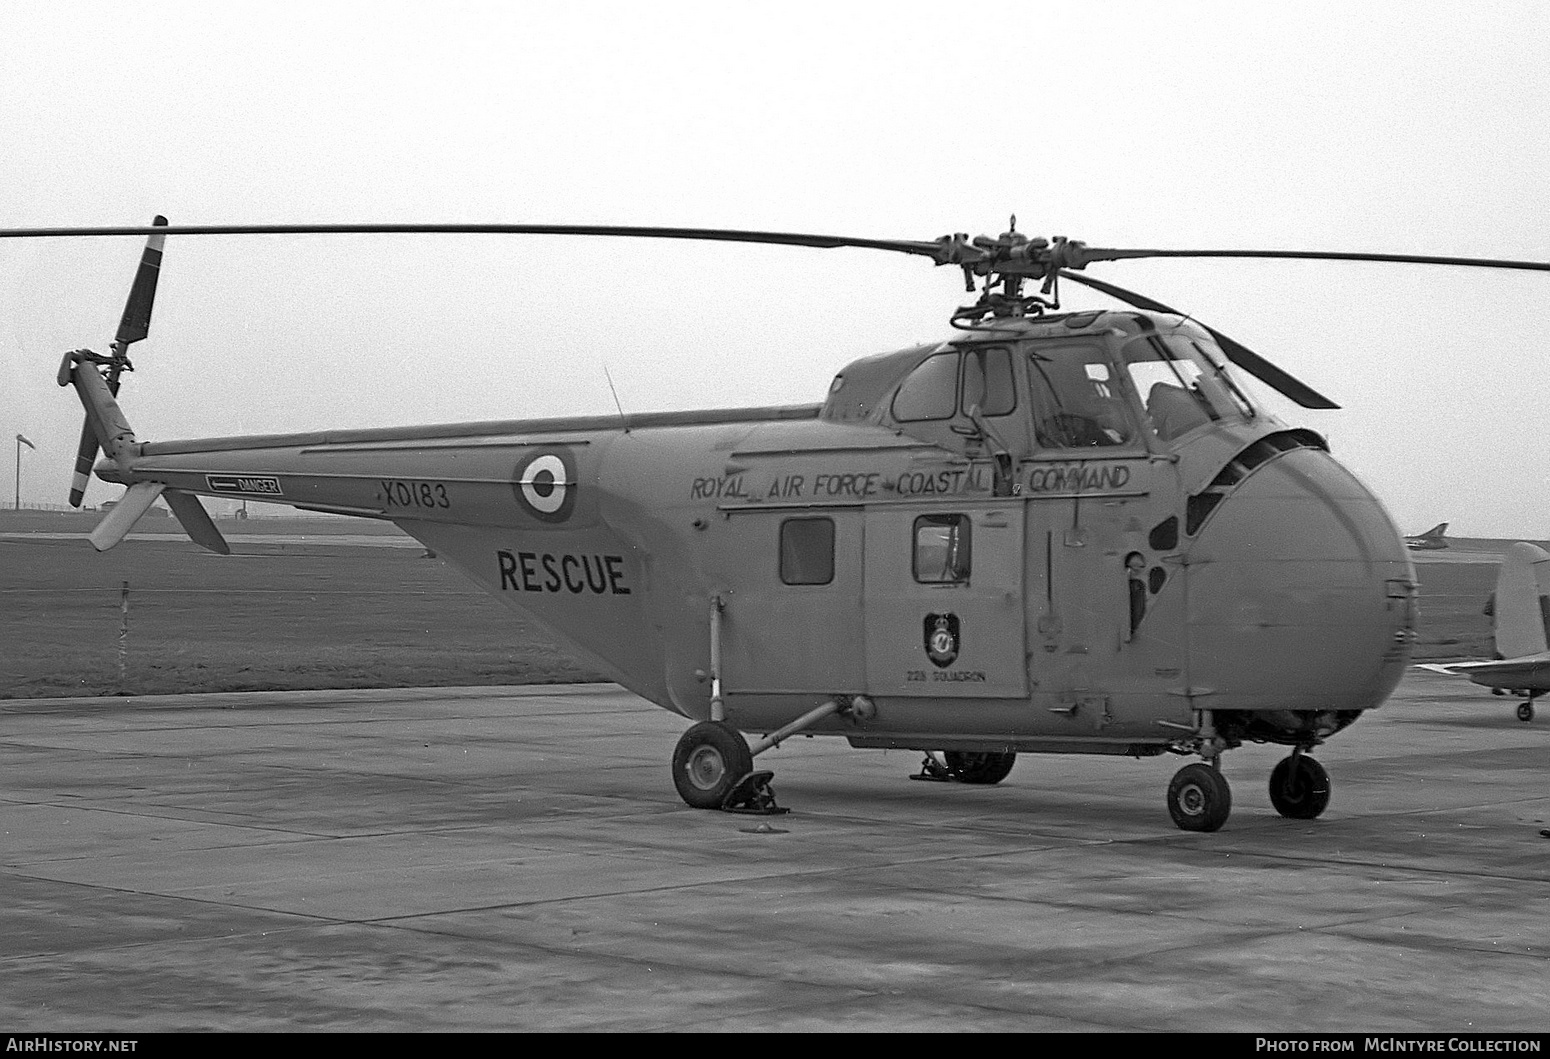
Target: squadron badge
x,y
942,639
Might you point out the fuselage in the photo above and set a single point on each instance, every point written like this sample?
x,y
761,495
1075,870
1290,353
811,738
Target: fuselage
x,y
1066,533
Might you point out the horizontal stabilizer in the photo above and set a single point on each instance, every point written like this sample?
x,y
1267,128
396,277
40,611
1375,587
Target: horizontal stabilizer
x,y
196,521
118,522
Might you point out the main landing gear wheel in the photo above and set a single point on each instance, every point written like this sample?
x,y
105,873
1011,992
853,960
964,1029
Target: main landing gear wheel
x,y
1199,798
1299,787
710,760
1526,711
987,767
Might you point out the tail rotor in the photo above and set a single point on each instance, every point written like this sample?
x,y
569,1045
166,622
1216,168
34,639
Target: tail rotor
x,y
134,325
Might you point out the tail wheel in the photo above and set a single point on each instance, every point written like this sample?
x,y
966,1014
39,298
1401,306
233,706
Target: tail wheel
x,y
708,762
1199,798
1526,711
988,767
1299,787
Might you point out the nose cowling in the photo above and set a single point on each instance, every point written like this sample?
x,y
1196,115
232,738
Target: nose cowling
x,y
1300,593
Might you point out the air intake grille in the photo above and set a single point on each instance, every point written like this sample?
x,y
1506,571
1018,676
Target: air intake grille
x,y
1267,448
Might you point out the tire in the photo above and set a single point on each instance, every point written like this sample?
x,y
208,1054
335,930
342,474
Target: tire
x,y
1199,798
708,762
988,767
1526,711
1299,787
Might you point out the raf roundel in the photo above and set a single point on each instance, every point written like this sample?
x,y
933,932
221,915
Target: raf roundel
x,y
545,485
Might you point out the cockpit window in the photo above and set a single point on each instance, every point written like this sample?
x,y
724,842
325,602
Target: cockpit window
x,y
1076,401
1182,385
930,392
988,381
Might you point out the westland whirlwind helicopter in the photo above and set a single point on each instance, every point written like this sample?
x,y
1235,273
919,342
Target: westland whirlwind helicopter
x,y
1052,532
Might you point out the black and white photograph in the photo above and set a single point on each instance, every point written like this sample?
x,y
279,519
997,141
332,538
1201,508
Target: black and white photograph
x,y
842,517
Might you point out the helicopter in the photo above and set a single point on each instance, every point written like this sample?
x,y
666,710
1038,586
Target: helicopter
x,y
1049,532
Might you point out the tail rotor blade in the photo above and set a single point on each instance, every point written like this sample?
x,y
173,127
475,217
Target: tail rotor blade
x,y
85,458
136,321
1239,354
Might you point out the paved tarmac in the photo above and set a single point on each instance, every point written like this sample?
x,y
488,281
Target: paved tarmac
x,y
517,859
307,540
1422,558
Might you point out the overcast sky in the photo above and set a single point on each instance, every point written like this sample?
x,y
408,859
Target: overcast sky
x,y
1406,127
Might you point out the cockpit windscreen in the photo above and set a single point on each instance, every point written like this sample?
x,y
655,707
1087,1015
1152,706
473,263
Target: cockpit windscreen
x,y
1184,384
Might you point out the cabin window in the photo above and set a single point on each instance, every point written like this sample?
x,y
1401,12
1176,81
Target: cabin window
x,y
930,392
1077,402
807,551
1182,385
988,382
942,551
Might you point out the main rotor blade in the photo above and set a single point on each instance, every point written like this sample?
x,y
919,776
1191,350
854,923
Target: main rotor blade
x,y
949,249
1090,254
1238,353
724,235
135,324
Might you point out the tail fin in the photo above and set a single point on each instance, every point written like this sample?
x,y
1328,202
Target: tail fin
x,y
1437,532
1522,604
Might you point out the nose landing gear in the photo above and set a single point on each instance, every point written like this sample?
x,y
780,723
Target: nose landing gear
x,y
1199,798
1299,787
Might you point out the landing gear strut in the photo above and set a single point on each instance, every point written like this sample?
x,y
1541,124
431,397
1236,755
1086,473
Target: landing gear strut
x,y
713,763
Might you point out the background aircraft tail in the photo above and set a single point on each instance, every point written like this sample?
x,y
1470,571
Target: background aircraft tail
x,y
1436,533
1522,602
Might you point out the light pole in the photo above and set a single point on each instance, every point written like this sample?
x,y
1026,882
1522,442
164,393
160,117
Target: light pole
x,y
20,441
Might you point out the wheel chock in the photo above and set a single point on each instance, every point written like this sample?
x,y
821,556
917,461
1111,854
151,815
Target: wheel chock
x,y
753,795
933,771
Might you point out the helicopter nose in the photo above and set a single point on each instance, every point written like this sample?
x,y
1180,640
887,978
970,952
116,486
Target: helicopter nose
x,y
1300,593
